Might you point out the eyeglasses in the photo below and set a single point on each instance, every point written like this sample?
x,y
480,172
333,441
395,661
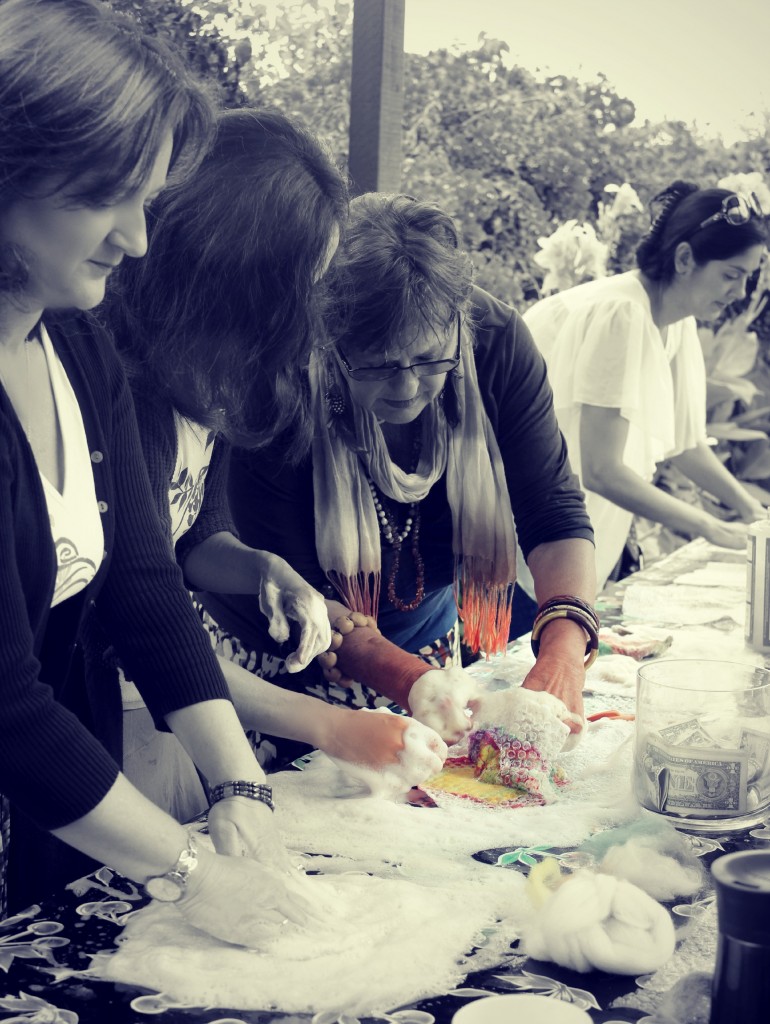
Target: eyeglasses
x,y
736,209
430,368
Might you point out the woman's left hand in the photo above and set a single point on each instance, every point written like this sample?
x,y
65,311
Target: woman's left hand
x,y
284,595
563,677
442,699
241,827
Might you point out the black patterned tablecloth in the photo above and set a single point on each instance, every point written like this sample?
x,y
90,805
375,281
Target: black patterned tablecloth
x,y
44,952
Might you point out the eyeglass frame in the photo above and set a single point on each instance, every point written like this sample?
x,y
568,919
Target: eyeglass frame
x,y
392,371
752,205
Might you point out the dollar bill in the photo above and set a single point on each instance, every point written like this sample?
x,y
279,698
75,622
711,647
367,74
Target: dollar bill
x,y
704,782
689,733
757,744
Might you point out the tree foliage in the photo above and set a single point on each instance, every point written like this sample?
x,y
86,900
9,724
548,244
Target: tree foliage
x,y
191,35
511,156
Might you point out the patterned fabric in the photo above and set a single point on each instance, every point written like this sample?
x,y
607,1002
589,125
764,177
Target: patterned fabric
x,y
186,494
186,489
271,751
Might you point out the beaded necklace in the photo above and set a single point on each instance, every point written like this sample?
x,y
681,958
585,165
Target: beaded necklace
x,y
396,538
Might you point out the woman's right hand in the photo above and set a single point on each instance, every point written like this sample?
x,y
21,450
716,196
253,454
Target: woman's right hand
x,y
371,740
376,740
238,900
725,535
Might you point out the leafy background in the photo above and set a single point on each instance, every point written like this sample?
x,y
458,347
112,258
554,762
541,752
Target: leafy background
x,y
514,158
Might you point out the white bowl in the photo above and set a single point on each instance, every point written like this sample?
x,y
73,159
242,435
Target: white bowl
x,y
520,1007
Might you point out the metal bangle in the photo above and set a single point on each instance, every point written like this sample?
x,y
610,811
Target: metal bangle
x,y
576,615
253,790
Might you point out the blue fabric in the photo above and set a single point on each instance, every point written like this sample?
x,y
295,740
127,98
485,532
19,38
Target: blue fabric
x,y
523,612
410,631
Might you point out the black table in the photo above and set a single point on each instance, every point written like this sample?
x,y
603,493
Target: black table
x,y
43,952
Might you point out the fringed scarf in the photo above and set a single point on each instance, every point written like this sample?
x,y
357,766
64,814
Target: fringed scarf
x,y
346,525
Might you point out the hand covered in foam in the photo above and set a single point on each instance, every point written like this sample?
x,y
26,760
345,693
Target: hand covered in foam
x,y
597,921
420,755
563,679
375,741
517,735
440,699
241,827
238,900
284,595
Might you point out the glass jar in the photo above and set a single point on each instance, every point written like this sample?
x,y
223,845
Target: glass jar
x,y
702,743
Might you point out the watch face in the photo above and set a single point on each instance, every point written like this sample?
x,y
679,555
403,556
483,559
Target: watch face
x,y
163,888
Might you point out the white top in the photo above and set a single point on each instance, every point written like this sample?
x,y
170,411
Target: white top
x,y
602,348
76,525
194,445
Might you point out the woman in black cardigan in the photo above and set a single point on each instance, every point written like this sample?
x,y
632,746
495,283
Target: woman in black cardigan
x,y
77,522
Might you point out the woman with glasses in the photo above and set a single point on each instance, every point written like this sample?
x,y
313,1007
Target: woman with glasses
x,y
207,329
626,367
78,527
433,429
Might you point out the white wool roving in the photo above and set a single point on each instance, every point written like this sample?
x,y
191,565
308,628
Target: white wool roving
x,y
598,921
613,673
365,951
659,873
423,756
385,945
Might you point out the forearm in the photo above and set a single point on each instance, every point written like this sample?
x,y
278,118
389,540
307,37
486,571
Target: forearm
x,y
702,466
214,738
223,565
564,567
127,832
362,653
628,490
269,708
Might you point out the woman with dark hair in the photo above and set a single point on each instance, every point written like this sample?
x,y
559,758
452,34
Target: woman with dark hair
x,y
433,429
217,320
626,367
93,117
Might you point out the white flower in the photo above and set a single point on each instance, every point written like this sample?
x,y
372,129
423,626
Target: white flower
x,y
626,200
570,255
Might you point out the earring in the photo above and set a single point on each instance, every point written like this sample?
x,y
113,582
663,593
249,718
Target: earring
x,y
335,400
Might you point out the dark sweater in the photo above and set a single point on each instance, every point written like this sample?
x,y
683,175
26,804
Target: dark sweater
x,y
272,502
51,767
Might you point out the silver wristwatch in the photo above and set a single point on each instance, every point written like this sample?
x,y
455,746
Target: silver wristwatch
x,y
171,887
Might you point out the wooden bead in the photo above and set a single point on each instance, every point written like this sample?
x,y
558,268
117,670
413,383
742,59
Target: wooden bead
x,y
358,619
333,675
336,640
344,625
327,660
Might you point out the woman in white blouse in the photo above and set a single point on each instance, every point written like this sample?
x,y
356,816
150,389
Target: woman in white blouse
x,y
626,367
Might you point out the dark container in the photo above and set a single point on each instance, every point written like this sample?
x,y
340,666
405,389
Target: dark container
x,y
741,988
